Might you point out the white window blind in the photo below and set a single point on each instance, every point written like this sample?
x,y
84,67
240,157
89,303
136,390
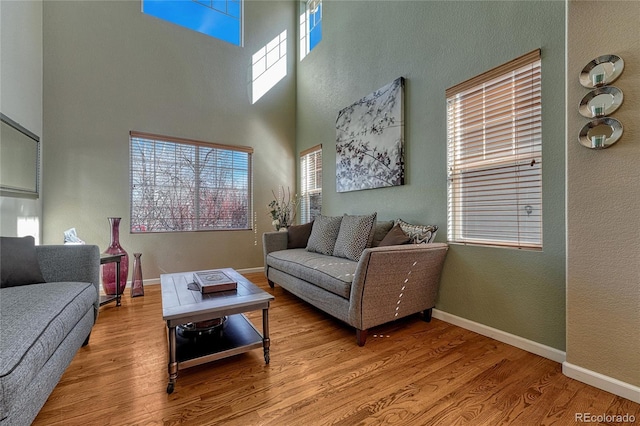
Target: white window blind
x,y
494,138
184,185
310,183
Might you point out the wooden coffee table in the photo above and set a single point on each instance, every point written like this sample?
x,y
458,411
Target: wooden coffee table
x,y
182,305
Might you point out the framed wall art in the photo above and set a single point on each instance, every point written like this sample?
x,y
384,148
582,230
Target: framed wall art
x,y
370,140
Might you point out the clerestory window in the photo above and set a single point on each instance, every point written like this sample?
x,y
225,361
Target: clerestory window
x,y
221,19
310,26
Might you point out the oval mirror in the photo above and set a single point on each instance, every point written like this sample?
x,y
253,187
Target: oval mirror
x,y
600,133
603,70
601,102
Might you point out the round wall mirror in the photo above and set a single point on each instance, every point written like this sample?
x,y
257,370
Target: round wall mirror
x,y
600,133
601,102
601,71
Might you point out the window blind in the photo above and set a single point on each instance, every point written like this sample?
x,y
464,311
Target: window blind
x,y
310,183
184,185
494,156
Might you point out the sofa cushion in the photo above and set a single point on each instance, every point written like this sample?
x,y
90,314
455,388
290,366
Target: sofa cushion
x,y
380,230
419,233
395,237
298,235
324,233
356,234
19,262
35,320
327,272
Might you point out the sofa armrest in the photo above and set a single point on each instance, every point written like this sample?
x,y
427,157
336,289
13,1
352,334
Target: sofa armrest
x,y
77,263
395,281
273,241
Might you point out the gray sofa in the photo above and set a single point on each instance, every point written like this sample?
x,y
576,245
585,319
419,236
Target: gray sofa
x,y
384,284
43,325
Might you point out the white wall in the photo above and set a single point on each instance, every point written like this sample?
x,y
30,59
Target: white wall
x,y
110,69
603,207
21,99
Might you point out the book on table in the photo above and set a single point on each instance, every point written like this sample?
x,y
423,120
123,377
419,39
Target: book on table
x,y
213,281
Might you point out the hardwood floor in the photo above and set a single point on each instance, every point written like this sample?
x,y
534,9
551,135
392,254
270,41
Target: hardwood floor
x,y
409,373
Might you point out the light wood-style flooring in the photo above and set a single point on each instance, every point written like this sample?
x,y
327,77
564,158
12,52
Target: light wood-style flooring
x,y
409,373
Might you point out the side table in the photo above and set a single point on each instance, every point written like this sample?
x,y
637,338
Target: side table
x,y
111,258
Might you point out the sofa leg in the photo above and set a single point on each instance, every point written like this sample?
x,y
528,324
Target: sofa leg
x,y
361,336
271,283
426,315
86,341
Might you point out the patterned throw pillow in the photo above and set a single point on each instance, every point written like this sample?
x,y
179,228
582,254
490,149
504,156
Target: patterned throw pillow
x,y
419,233
356,232
323,234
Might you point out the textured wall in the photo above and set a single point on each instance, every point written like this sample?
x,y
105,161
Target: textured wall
x,y
21,97
435,45
109,69
603,187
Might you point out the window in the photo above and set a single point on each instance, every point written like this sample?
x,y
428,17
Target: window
x,y
310,183
221,19
185,185
494,156
310,26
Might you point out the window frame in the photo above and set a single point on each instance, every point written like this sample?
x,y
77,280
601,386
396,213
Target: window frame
x,y
494,156
233,150
314,153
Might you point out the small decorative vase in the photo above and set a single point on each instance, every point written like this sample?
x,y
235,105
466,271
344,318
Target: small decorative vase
x,y
137,288
109,269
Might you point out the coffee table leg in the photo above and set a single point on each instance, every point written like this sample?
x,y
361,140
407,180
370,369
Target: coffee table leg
x,y
173,364
266,342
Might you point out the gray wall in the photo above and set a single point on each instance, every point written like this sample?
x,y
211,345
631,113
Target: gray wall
x,y
109,69
21,99
603,203
435,45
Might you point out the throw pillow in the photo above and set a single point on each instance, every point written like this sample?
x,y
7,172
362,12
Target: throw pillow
x,y
19,262
419,233
298,235
380,230
395,237
354,236
323,234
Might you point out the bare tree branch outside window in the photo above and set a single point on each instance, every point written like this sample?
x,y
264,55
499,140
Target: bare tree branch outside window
x,y
182,186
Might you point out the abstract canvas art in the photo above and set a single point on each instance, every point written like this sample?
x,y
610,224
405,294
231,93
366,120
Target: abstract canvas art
x,y
370,141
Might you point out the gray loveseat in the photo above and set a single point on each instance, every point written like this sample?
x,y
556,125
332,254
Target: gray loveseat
x,y
43,325
386,282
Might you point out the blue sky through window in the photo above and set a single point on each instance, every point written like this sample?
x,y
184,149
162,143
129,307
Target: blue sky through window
x,y
221,19
310,26
315,25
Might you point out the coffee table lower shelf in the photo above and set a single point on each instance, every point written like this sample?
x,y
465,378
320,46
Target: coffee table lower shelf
x,y
237,336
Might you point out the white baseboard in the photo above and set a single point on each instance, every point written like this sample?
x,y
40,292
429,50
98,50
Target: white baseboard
x,y
503,336
600,381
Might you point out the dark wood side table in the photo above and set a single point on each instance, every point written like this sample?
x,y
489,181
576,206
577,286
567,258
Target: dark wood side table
x,y
112,258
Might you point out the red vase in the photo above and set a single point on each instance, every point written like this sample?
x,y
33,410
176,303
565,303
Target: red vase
x,y
109,269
